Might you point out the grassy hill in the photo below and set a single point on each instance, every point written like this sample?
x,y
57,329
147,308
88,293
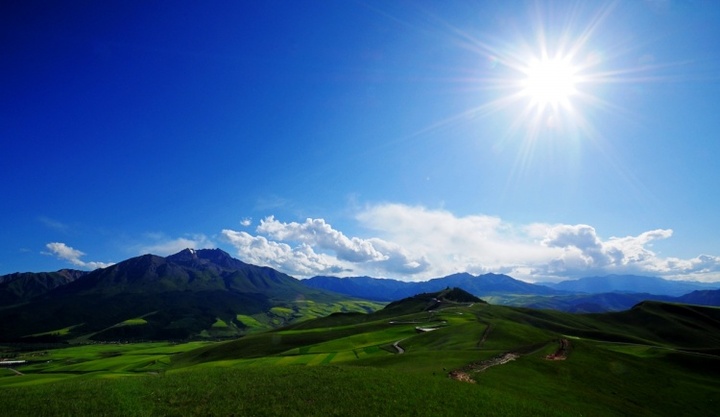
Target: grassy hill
x,y
653,360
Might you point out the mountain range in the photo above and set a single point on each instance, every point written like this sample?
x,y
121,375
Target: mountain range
x,y
592,294
194,292
207,293
21,286
390,290
631,284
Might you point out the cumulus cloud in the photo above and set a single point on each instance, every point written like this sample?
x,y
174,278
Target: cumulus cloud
x,y
476,243
301,260
315,232
416,243
584,251
72,255
537,251
700,268
314,247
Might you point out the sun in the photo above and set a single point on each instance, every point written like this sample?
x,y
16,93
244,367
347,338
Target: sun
x,y
549,82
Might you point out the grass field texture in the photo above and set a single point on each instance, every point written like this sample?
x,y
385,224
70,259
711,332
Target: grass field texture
x,y
348,364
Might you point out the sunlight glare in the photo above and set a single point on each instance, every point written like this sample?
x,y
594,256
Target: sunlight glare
x,y
549,81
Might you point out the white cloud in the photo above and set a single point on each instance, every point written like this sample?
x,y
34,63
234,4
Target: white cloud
x,y
315,232
476,243
247,221
163,246
584,251
416,243
67,253
320,249
300,261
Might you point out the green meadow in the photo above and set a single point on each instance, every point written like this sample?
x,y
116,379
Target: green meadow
x,y
650,361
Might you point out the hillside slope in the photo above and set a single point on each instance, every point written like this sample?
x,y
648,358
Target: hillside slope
x,y
655,359
443,353
192,293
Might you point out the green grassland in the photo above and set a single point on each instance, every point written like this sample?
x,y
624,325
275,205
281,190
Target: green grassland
x,y
167,315
58,332
654,360
134,322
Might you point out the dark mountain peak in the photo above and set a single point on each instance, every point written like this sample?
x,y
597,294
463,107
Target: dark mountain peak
x,y
498,278
494,275
489,283
205,257
187,270
460,275
184,255
219,257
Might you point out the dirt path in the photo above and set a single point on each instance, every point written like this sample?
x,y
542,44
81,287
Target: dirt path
x,y
561,353
486,333
18,373
396,345
463,374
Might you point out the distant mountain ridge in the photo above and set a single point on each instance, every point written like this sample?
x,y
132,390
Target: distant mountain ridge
x,y
590,295
701,297
22,286
196,291
631,283
390,290
591,303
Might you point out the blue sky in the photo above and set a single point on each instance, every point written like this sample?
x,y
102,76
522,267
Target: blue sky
x,y
384,138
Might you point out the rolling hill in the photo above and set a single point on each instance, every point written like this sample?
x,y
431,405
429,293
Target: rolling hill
x,y
441,353
654,359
